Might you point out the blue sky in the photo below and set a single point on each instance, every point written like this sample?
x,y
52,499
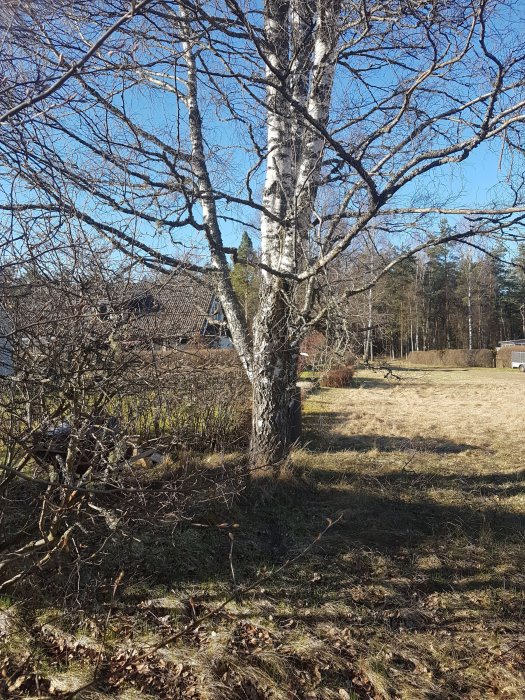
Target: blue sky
x,y
472,183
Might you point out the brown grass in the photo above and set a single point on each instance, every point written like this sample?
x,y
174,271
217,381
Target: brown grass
x,y
417,594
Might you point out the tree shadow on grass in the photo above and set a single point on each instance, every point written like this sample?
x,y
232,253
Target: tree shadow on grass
x,y
422,368
394,548
392,514
389,512
395,375
483,485
387,443
376,382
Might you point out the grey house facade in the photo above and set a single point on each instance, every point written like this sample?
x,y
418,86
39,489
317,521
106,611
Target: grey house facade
x,y
6,349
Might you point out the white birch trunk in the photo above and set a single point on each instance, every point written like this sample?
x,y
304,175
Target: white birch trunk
x,y
469,304
275,408
226,294
289,195
305,68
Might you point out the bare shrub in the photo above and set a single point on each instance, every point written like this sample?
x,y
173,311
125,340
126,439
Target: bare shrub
x,y
338,378
320,353
191,399
313,348
482,358
82,405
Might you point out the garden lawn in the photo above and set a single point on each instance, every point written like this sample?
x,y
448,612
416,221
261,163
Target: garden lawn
x,y
417,589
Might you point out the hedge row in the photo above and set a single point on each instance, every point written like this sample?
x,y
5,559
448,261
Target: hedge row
x,y
452,358
503,355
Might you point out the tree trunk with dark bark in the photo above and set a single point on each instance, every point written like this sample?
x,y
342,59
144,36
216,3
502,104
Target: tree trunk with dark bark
x,y
276,422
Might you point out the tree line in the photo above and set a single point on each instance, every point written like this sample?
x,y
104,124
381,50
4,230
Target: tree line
x,y
447,297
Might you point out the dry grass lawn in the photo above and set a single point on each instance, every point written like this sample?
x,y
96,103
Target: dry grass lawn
x,y
417,592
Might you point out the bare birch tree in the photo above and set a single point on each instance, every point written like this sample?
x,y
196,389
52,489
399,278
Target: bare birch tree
x,y
167,126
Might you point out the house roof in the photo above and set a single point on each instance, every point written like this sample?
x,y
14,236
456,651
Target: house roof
x,y
179,308
507,343
174,308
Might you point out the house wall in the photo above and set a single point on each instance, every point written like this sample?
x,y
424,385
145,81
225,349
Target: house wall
x,y
6,349
225,342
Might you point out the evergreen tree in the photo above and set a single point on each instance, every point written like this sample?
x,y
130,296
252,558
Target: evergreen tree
x,y
465,292
500,295
244,277
516,296
399,307
441,271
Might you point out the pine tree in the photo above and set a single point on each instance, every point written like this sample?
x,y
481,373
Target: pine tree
x,y
516,295
399,307
244,277
440,294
